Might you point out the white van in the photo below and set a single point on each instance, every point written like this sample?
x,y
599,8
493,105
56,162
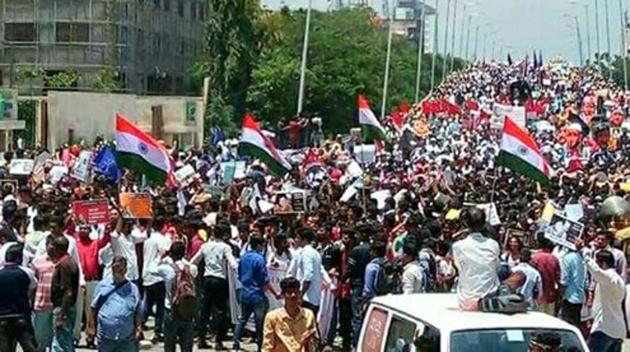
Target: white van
x,y
434,323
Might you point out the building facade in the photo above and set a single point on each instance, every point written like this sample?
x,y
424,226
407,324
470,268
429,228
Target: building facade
x,y
408,21
144,46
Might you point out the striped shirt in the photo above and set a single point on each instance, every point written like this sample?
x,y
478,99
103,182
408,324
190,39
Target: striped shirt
x,y
44,269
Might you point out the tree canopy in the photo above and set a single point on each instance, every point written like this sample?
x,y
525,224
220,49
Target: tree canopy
x,y
346,57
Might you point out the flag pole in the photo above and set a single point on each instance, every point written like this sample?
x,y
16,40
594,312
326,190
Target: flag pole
x,y
390,33
588,34
304,58
420,52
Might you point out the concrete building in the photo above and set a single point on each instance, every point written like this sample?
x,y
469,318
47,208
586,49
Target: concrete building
x,y
408,21
147,44
71,116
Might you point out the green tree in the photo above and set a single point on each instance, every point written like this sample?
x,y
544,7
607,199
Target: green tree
x,y
107,80
346,57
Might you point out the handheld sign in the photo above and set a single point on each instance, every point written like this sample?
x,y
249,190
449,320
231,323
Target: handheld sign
x,y
92,212
136,205
22,167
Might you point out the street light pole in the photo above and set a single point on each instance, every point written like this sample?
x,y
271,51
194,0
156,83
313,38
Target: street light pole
x,y
588,34
608,37
461,35
597,31
476,43
435,46
387,59
453,36
444,59
420,52
468,37
579,39
624,49
483,52
304,58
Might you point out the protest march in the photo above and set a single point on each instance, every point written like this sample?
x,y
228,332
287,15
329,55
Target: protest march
x,y
507,180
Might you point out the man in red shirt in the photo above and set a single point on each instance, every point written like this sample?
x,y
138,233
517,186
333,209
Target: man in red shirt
x,y
549,268
88,249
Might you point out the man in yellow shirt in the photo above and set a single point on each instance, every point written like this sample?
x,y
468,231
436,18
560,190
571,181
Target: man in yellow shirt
x,y
290,328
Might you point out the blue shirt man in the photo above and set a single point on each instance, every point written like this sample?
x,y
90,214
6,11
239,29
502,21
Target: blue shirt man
x,y
573,282
116,304
374,267
252,273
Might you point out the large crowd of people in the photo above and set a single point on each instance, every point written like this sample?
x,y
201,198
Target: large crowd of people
x,y
292,261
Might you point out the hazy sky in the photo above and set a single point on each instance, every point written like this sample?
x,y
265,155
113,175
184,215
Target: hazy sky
x,y
525,25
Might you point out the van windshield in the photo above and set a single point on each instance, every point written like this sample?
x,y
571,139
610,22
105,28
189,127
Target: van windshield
x,y
515,340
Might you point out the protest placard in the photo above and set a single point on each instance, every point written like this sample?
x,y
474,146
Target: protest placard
x,y
21,167
81,167
525,237
136,205
563,231
93,212
233,170
57,172
41,159
185,174
289,202
365,153
515,113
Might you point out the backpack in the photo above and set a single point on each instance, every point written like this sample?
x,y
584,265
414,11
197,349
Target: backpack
x,y
184,302
384,283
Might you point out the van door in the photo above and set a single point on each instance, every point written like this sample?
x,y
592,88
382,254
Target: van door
x,y
406,335
373,330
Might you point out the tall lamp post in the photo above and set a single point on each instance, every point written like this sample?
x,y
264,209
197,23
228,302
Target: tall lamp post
x,y
304,58
420,51
624,48
387,59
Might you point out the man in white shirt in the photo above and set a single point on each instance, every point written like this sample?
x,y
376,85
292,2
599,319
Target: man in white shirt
x,y
609,328
477,260
123,243
412,276
153,249
309,270
532,287
216,254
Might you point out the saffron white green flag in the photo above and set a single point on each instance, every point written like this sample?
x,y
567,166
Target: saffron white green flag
x,y
370,126
520,153
141,153
255,143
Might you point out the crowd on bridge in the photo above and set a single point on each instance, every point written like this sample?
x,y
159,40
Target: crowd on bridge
x,y
289,246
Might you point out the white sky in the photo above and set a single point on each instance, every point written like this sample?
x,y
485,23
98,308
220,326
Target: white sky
x,y
525,25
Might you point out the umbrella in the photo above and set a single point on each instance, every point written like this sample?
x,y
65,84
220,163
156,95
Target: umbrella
x,y
615,206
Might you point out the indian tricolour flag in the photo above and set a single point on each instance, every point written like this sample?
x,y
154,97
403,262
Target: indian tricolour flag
x,y
141,153
255,143
520,153
370,126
